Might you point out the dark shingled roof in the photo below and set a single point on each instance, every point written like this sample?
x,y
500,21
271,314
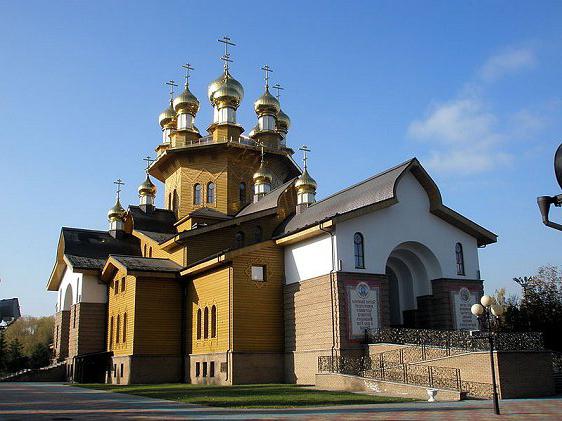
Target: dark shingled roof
x,y
147,264
210,213
88,249
159,220
269,201
368,192
159,237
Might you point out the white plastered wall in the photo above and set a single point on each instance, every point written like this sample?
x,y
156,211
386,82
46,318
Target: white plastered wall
x,y
76,287
308,259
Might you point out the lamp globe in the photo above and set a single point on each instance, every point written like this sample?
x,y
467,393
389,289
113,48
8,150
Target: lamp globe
x,y
487,300
477,310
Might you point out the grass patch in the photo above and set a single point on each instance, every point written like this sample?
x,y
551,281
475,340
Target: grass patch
x,y
246,396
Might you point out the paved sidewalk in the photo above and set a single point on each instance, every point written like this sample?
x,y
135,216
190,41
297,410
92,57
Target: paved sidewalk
x,y
55,401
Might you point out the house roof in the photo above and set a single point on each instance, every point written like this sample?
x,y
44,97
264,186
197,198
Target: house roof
x,y
209,213
377,192
146,264
158,220
269,201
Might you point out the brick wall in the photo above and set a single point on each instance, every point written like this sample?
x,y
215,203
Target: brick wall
x,y
60,335
438,313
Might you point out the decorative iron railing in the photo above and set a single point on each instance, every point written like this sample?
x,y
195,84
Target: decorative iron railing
x,y
456,339
418,375
557,362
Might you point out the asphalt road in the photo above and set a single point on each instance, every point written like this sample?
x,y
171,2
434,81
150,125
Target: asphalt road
x,y
55,401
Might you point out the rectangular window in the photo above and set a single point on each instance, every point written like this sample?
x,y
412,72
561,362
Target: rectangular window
x,y
125,328
123,285
258,273
111,333
114,370
121,369
197,369
205,369
212,369
74,317
116,288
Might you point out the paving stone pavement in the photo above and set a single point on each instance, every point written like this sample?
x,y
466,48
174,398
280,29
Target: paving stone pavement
x,y
56,401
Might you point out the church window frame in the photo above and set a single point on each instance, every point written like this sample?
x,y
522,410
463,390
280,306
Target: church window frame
x,y
125,328
144,254
359,250
111,333
116,287
197,193
459,255
199,324
239,240
175,202
118,329
242,193
170,201
258,234
212,369
213,321
123,286
258,273
206,323
150,252
211,192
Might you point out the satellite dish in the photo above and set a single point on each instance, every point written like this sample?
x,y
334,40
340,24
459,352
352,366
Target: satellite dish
x,y
558,165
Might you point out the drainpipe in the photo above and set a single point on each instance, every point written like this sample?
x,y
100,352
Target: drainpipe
x,y
330,231
230,313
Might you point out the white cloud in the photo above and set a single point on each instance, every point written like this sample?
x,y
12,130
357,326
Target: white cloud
x,y
507,62
463,136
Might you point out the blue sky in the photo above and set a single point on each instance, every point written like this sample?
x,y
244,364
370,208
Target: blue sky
x,y
473,89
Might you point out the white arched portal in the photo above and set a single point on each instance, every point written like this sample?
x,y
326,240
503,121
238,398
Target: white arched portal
x,y
67,298
410,267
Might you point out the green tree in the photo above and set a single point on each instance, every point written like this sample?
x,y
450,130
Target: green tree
x,y
3,353
40,356
16,358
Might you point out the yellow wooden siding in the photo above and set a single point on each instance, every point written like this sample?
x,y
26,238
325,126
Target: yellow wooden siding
x,y
205,291
119,304
177,256
157,316
258,307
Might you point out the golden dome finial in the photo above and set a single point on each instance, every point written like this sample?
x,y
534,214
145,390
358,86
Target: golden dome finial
x,y
168,116
305,183
226,56
262,175
186,102
117,212
266,104
283,120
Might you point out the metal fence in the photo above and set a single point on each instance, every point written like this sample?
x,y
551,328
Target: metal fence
x,y
456,339
417,375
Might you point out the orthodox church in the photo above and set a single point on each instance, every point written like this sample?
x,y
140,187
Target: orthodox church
x,y
243,277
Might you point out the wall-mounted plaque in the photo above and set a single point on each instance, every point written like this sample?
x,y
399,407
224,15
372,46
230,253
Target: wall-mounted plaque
x,y
462,300
363,306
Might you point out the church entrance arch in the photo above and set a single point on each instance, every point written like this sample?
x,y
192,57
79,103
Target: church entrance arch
x,y
67,300
410,267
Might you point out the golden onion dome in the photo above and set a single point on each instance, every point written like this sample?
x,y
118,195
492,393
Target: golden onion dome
x,y
283,121
267,104
186,102
147,188
116,212
262,175
167,116
305,182
226,90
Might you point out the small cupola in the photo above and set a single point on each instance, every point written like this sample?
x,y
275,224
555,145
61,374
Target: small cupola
x,y
267,107
262,179
147,190
283,122
116,215
167,118
186,105
305,185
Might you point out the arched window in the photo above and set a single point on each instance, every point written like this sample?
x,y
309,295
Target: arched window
x,y
460,259
197,194
239,240
199,324
206,323
118,330
170,201
125,328
144,254
359,251
175,202
258,234
211,193
150,252
214,322
111,333
242,193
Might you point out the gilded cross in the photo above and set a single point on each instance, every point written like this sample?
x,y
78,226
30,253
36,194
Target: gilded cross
x,y
267,70
278,88
119,183
149,162
261,145
188,70
305,149
226,57
172,84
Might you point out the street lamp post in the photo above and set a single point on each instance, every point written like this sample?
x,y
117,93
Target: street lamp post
x,y
487,313
545,202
